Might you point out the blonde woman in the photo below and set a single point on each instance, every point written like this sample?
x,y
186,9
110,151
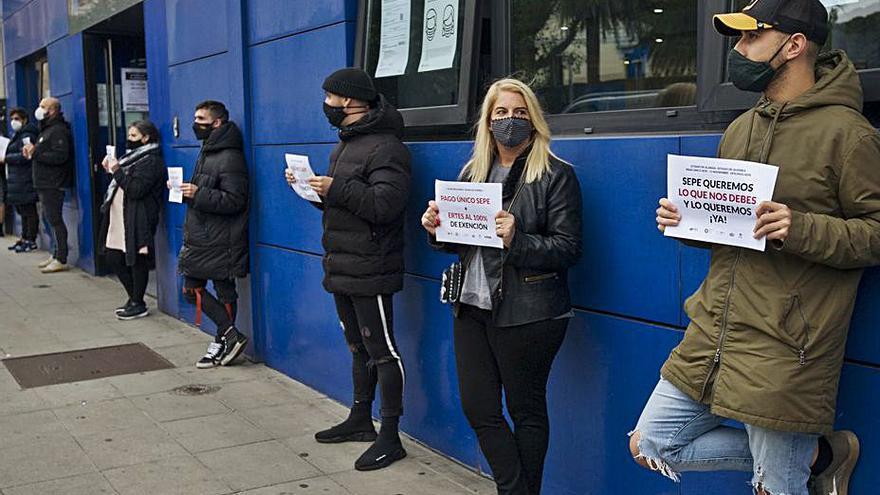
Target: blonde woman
x,y
511,317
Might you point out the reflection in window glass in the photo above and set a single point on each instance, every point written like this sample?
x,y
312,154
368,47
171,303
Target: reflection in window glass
x,y
589,56
855,28
414,89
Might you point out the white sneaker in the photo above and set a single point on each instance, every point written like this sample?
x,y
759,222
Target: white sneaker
x,y
44,264
54,267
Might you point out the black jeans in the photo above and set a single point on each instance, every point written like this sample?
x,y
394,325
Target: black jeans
x,y
221,310
516,360
53,210
367,324
30,221
133,278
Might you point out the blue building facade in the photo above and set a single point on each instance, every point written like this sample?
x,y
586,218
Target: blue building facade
x,y
266,60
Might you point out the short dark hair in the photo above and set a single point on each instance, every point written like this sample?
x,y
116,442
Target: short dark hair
x,y
148,129
21,112
215,108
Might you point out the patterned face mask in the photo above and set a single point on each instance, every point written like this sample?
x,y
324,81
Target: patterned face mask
x,y
511,132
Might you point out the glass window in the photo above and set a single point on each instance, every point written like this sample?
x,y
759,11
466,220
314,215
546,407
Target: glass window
x,y
854,28
414,88
606,55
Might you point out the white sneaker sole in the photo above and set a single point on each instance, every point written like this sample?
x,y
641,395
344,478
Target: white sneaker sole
x,y
133,317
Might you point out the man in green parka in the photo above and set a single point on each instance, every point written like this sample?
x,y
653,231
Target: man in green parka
x,y
768,330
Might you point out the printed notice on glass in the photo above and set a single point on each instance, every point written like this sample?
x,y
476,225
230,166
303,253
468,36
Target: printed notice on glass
x,y
135,96
717,199
439,35
175,180
467,212
394,38
302,170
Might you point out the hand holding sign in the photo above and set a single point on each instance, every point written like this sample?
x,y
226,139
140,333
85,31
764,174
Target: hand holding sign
x,y
774,220
505,227
431,218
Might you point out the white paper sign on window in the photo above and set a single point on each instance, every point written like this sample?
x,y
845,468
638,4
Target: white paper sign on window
x,y
394,38
439,34
135,96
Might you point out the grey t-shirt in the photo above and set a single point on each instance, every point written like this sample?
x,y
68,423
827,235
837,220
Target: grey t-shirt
x,y
476,291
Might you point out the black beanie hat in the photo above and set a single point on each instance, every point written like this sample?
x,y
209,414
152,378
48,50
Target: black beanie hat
x,y
351,83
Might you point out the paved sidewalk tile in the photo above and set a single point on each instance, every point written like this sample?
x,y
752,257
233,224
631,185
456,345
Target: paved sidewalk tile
x,y
243,429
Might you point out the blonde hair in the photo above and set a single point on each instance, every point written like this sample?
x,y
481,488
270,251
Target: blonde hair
x,y
485,149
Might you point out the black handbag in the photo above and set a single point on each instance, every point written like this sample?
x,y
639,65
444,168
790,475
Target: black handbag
x,y
451,283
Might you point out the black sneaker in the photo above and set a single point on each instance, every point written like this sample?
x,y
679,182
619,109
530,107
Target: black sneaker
x,y
14,247
347,432
212,357
122,308
133,312
378,457
234,342
26,247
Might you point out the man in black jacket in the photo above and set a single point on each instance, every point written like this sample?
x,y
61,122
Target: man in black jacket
x,y
20,192
215,235
52,164
364,196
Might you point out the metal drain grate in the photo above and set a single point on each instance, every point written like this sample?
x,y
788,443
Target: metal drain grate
x,y
86,364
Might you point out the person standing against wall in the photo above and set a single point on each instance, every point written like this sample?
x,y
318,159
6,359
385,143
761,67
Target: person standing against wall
x,y
20,192
53,165
364,197
513,311
215,232
130,214
768,330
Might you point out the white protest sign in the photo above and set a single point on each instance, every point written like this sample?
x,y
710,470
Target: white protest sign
x,y
110,151
175,178
302,170
394,38
439,35
717,198
467,212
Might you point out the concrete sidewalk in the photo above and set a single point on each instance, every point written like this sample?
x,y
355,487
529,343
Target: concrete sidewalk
x,y
131,435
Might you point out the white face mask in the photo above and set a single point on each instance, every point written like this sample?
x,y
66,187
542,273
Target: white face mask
x,y
16,125
39,113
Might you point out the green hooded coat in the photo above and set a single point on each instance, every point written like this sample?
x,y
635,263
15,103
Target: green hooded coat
x,y
768,330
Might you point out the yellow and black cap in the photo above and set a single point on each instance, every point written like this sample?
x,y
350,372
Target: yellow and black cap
x,y
809,17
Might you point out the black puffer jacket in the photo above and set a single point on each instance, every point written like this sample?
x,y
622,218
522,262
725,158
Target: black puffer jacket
x,y
53,159
215,233
529,281
364,209
142,176
20,181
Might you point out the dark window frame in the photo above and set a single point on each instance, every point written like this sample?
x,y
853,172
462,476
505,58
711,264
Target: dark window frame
x,y
718,102
446,114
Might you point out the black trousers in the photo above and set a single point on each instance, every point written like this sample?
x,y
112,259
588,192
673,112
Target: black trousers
x,y
133,278
367,324
517,361
53,209
221,309
30,221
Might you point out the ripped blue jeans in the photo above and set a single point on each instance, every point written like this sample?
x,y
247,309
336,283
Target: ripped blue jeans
x,y
678,434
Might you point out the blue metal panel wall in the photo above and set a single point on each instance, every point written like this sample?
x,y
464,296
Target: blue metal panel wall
x,y
33,27
192,34
270,19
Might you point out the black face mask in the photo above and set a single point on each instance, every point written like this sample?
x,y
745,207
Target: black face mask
x,y
335,115
202,131
748,75
133,145
511,131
